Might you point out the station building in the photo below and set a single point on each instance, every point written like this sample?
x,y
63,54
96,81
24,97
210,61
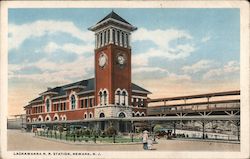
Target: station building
x,y
111,99
110,95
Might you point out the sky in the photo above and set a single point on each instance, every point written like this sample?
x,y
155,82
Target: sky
x,y
174,51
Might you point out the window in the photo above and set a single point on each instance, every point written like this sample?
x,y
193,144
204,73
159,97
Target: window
x,y
117,97
144,102
59,106
122,115
108,36
134,101
48,105
124,98
105,96
100,98
105,37
118,37
139,102
113,34
121,97
102,115
63,106
90,115
85,116
101,39
122,39
81,103
86,103
90,102
73,102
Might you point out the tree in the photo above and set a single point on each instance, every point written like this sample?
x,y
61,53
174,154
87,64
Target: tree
x,y
157,128
110,131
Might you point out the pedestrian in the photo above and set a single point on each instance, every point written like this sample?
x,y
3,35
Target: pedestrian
x,y
145,139
150,143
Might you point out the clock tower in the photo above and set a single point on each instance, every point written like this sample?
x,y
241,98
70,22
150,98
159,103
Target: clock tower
x,y
112,66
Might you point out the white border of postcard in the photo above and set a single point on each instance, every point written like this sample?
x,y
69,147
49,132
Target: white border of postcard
x,y
244,73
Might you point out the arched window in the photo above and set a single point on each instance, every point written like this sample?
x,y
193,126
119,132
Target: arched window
x,y
40,118
100,97
102,115
133,114
122,115
73,102
105,97
90,115
137,114
117,97
48,105
124,97
85,115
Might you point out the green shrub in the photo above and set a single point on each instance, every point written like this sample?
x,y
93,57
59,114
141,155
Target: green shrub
x,y
110,131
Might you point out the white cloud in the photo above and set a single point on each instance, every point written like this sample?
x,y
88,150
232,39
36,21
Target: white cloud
x,y
178,78
228,68
148,69
51,47
205,39
19,33
198,66
69,47
162,39
232,66
53,72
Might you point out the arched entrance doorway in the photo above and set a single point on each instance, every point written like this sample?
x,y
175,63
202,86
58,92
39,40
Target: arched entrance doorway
x,y
122,124
102,123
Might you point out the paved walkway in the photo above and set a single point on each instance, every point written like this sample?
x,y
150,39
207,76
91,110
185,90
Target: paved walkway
x,y
18,141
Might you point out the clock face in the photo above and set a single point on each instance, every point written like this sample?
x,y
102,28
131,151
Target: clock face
x,y
121,59
102,59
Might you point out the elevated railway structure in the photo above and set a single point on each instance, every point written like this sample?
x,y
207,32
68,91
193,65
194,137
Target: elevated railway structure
x,y
227,104
201,108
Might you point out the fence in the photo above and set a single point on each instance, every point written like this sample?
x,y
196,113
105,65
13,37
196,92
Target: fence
x,y
75,137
